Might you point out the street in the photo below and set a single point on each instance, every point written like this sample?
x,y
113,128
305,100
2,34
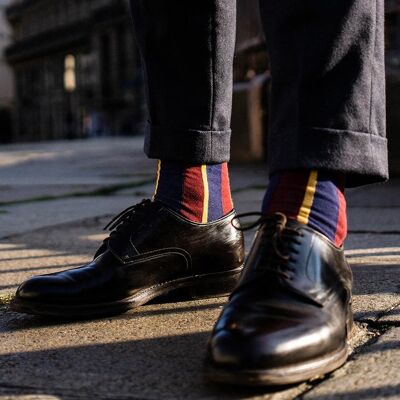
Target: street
x,y
55,198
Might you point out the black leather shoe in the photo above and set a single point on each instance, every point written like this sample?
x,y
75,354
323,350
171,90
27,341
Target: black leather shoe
x,y
290,316
150,252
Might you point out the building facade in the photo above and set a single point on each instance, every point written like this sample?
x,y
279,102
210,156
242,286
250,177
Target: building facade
x,y
6,79
77,69
6,76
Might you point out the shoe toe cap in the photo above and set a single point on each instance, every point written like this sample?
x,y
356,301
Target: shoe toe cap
x,y
37,288
269,348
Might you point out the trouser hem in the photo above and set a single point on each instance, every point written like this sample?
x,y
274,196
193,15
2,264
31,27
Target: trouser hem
x,y
361,156
187,145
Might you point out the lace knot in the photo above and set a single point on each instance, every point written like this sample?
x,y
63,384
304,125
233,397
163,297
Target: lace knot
x,y
120,221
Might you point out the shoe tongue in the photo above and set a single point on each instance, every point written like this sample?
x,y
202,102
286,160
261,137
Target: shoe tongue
x,y
119,240
101,250
108,257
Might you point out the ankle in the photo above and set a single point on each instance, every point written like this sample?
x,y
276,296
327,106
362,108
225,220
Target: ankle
x,y
200,193
314,198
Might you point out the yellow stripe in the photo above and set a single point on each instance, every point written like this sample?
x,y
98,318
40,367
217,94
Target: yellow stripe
x,y
206,193
305,208
157,178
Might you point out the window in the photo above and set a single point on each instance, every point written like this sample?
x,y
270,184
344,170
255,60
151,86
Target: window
x,y
69,73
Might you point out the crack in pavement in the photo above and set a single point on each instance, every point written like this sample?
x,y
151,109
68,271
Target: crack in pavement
x,y
377,324
102,191
373,331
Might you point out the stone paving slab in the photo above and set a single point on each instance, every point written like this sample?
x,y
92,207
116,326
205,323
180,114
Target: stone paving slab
x,y
27,217
100,161
375,261
379,195
48,250
377,219
23,193
373,373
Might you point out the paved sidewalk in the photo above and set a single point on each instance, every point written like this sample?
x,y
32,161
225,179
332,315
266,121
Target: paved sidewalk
x,y
54,200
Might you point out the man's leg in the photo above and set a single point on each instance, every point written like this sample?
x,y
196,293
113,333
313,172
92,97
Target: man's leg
x,y
328,96
290,317
183,239
328,126
187,50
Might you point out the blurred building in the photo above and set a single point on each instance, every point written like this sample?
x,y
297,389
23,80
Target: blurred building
x,y
6,79
76,69
392,26
6,76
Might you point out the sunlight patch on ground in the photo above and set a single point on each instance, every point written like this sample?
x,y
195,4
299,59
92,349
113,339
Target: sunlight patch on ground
x,y
31,397
377,256
9,159
98,237
5,299
373,250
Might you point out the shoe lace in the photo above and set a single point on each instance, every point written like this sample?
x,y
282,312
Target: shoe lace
x,y
121,224
273,260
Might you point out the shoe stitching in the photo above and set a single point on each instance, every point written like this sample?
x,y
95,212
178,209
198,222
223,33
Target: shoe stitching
x,y
150,255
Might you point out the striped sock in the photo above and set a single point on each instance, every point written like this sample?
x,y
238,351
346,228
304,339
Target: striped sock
x,y
313,198
200,193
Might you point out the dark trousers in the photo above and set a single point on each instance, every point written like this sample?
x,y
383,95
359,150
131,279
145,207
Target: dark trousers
x,y
328,82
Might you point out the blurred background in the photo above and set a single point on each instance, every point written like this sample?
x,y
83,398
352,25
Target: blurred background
x,y
70,69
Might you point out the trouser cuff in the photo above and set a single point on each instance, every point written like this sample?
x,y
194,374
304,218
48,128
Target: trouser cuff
x,y
187,145
361,156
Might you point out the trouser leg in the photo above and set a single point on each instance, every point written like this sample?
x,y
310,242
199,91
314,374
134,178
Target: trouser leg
x,y
187,48
328,86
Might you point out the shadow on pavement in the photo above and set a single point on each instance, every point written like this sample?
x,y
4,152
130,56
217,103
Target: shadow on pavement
x,y
13,322
164,367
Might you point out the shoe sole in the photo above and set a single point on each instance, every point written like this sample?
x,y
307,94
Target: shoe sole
x,y
191,288
287,375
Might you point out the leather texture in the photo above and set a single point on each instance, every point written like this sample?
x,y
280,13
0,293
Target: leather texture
x,y
290,311
148,247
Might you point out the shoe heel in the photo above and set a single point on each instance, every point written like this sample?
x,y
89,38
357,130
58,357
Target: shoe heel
x,y
213,285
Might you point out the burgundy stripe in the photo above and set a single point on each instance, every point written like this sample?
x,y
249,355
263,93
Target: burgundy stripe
x,y
289,194
226,197
193,194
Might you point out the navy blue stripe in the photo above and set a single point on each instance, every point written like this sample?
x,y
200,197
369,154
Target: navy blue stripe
x,y
215,209
170,185
325,208
272,186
